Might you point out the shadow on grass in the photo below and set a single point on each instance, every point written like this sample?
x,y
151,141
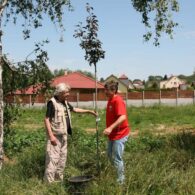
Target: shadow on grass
x,y
184,141
32,164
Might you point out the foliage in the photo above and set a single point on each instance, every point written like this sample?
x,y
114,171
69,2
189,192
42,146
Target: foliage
x,y
155,78
16,142
162,11
61,72
87,73
33,12
88,37
11,113
28,72
189,79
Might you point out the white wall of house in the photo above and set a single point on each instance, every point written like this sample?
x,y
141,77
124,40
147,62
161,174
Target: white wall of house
x,y
173,82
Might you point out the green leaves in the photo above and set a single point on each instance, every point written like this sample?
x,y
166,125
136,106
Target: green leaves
x,y
29,72
89,38
161,12
33,12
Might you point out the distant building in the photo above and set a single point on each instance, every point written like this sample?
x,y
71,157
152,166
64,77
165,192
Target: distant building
x,y
172,82
78,82
138,84
122,87
126,81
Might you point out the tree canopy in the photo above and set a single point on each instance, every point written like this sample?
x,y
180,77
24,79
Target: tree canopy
x,y
161,11
28,72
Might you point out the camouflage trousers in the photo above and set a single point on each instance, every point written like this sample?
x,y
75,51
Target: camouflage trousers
x,y
55,159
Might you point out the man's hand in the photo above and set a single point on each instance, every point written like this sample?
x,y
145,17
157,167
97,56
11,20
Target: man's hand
x,y
107,131
53,140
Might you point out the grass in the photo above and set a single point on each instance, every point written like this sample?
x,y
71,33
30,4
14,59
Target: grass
x,y
159,158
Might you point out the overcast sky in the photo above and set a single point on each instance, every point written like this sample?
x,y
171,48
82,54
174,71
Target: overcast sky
x,y
120,31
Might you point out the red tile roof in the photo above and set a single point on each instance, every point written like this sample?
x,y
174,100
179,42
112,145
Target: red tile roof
x,y
29,90
77,80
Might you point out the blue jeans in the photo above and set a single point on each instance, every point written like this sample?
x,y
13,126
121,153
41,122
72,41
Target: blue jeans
x,y
115,152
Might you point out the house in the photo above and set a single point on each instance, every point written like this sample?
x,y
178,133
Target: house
x,y
138,84
126,81
172,82
122,86
78,82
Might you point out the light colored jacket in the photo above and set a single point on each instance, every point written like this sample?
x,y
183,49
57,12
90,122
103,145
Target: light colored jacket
x,y
58,122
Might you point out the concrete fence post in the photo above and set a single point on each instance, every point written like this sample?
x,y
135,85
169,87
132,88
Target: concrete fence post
x,y
160,97
94,100
30,100
77,99
143,94
194,97
177,95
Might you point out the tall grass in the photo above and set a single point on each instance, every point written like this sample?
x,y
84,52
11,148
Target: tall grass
x,y
160,159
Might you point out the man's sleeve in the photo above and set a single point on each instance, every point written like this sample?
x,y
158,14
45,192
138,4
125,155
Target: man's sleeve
x,y
70,107
50,110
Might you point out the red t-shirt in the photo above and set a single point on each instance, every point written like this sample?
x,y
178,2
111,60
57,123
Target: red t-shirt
x,y
115,108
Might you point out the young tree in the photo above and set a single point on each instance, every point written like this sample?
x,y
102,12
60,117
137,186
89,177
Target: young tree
x,y
93,52
32,13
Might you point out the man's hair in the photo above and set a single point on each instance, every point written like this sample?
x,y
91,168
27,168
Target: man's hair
x,y
111,85
61,87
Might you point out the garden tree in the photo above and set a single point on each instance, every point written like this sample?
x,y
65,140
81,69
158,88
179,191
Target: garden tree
x,y
162,11
61,72
93,52
137,80
33,13
102,80
87,73
155,78
158,78
165,77
26,73
155,85
151,78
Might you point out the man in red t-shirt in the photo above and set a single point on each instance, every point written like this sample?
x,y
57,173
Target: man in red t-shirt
x,y
117,128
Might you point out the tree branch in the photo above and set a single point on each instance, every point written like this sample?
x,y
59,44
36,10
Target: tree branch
x,y
9,64
2,6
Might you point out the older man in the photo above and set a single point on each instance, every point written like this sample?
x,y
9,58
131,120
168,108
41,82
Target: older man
x,y
58,126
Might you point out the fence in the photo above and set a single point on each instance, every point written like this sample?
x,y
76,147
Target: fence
x,y
144,98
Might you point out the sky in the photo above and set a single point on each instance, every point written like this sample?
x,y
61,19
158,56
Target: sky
x,y
120,31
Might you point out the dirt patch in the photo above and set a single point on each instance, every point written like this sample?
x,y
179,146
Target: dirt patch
x,y
134,133
29,126
90,130
159,129
8,160
162,129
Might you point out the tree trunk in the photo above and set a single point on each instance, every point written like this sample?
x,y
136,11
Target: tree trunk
x,y
1,101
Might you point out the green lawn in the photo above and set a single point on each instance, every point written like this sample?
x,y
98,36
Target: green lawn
x,y
159,156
